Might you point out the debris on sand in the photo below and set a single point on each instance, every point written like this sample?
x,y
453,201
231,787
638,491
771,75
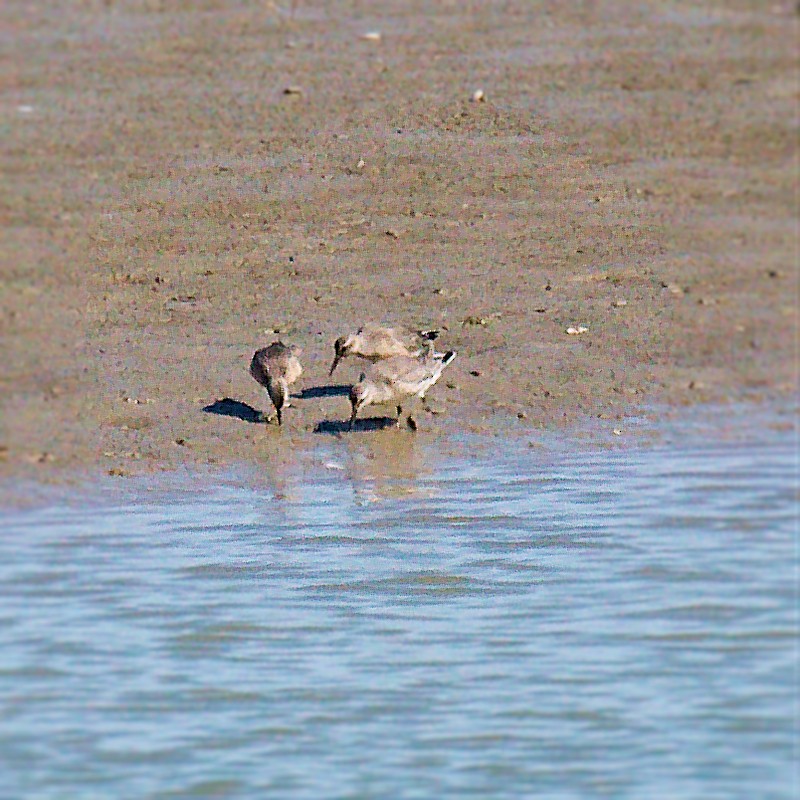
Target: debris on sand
x,y
482,321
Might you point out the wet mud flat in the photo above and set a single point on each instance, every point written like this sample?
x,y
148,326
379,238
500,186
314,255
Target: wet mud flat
x,y
188,182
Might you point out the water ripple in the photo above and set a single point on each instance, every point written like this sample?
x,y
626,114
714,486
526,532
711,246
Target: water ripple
x,y
618,623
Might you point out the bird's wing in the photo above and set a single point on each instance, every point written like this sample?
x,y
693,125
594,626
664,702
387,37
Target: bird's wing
x,y
379,334
293,369
276,359
404,371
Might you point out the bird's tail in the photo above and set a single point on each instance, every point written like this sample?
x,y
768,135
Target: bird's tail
x,y
441,361
448,357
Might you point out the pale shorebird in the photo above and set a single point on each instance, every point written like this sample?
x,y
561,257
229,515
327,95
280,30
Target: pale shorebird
x,y
276,368
377,342
395,378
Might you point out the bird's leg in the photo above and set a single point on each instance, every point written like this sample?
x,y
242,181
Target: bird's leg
x,y
264,416
411,422
399,414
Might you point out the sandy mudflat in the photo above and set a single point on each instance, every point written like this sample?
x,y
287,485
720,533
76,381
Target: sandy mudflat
x,y
168,208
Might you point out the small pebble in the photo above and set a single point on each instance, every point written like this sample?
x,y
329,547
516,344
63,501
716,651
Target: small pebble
x,y
479,96
473,320
575,331
293,90
39,458
475,372
372,36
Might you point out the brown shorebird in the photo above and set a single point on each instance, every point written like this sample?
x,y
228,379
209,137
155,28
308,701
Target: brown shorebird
x,y
395,378
276,368
376,342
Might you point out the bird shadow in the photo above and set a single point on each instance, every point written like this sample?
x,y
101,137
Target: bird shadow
x,y
335,426
315,392
228,407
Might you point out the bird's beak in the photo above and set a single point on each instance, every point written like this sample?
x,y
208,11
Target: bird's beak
x,y
335,364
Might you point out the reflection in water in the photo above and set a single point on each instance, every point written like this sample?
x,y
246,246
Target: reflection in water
x,y
389,465
386,620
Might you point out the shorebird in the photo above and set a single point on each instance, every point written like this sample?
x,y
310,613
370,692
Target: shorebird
x,y
395,378
277,367
377,342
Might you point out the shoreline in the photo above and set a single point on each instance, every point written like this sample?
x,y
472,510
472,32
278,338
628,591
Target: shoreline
x,y
390,454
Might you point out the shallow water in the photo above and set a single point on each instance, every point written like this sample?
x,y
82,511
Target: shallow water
x,y
390,622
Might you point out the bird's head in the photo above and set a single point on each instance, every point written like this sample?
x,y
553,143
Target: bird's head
x,y
341,347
